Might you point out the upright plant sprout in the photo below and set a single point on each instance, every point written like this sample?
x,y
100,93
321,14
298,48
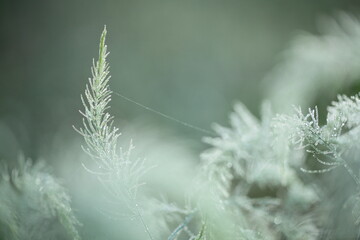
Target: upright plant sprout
x,y
117,172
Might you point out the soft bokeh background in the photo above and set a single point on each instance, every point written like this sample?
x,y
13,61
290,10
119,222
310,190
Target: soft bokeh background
x,y
188,59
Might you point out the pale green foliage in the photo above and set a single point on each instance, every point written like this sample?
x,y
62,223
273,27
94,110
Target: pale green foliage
x,y
317,64
314,70
116,169
332,145
251,169
100,136
249,184
33,204
331,140
249,158
344,119
121,175
253,182
118,173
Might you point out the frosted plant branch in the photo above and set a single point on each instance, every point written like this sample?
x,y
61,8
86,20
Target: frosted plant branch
x,y
119,174
330,140
254,156
181,227
29,189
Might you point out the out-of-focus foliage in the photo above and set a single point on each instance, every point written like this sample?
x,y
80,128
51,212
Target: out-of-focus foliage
x,y
248,186
34,205
315,68
189,59
331,146
252,168
255,182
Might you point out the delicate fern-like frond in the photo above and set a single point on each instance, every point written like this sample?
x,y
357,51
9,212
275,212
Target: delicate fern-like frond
x,y
251,170
31,199
345,112
119,174
98,132
332,139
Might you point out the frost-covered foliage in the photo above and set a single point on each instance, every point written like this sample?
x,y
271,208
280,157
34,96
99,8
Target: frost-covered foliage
x,y
256,181
259,171
317,66
332,145
34,205
119,172
334,139
121,175
252,168
114,168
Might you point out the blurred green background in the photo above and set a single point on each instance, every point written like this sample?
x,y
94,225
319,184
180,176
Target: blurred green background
x,y
187,59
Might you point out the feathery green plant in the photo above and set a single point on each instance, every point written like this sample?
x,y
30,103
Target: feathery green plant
x,y
115,169
253,182
268,178
332,140
330,146
255,171
34,205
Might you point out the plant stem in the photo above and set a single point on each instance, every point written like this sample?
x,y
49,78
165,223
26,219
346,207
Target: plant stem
x,y
181,226
147,230
336,156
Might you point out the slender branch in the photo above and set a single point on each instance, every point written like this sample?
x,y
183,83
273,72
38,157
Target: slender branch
x,y
147,230
181,226
336,156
